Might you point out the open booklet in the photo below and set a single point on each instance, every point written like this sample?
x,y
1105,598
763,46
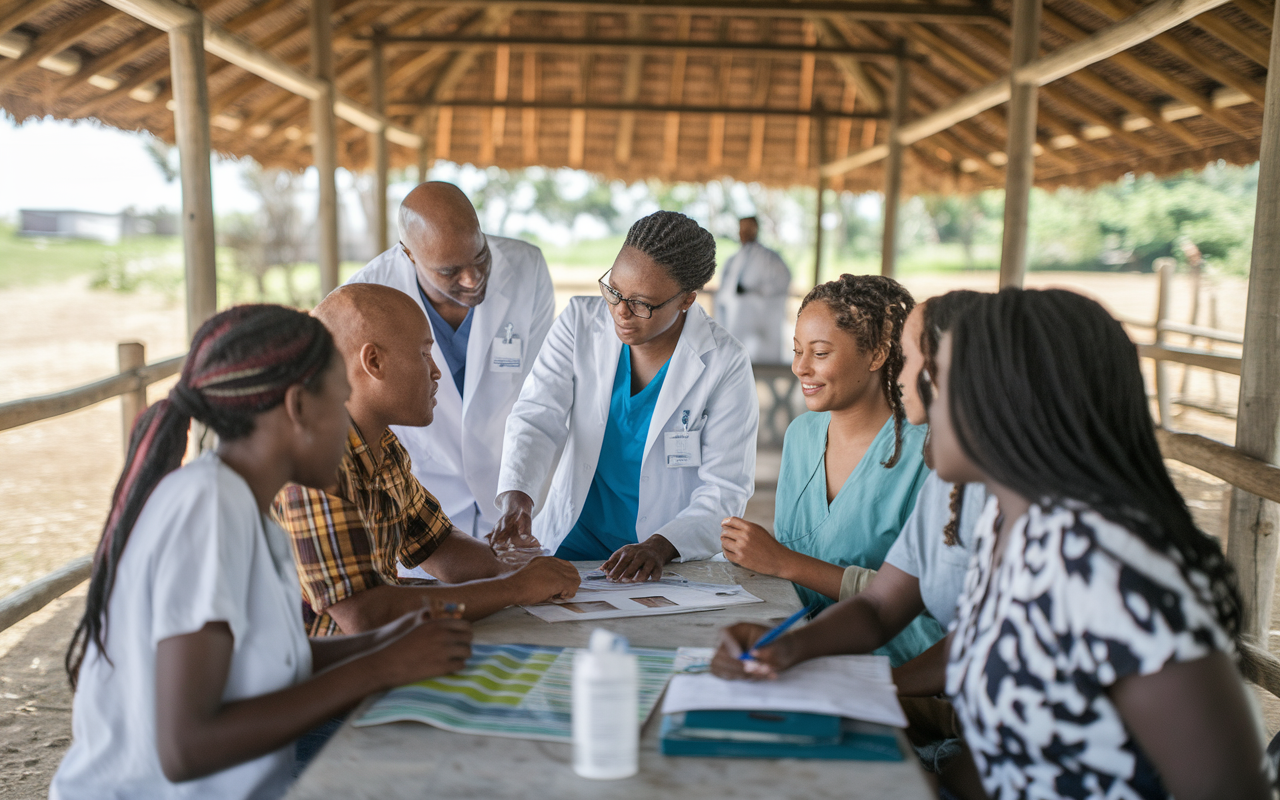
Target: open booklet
x,y
599,598
857,687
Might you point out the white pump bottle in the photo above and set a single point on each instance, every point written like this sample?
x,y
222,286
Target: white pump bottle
x,y
606,728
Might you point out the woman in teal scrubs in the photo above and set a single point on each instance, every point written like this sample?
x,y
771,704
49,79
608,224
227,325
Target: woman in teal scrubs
x,y
852,467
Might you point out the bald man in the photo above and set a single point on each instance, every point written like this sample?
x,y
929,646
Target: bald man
x,y
350,539
490,303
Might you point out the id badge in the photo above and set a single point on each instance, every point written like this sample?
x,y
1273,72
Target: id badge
x,y
683,448
507,355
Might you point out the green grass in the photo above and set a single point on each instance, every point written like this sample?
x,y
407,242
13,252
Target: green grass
x,y
27,260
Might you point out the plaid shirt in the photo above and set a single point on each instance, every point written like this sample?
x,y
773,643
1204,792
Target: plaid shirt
x,y
349,539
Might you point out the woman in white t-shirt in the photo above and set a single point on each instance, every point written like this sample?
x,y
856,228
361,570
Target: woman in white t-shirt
x,y
192,670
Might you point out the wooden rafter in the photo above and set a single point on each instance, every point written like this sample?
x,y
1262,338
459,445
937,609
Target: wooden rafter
x,y
675,94
1099,86
1242,41
886,11
759,95
529,116
972,69
578,116
17,12
1152,76
630,93
55,40
1119,9
843,32
716,123
808,65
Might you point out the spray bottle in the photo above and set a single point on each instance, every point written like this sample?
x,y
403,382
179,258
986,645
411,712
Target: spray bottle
x,y
606,728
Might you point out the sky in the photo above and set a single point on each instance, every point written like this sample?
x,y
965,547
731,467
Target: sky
x,y
90,167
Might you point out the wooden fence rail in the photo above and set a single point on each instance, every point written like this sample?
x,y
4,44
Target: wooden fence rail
x,y
131,386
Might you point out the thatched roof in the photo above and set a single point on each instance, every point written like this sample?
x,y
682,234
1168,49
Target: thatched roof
x,y
1188,97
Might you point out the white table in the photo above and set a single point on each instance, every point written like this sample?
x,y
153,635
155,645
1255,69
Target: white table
x,y
411,760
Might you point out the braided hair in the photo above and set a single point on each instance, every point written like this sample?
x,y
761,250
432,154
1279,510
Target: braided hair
x,y
1047,399
874,309
685,249
241,363
938,315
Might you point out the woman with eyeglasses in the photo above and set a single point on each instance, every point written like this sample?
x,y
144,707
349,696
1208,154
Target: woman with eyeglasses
x,y
650,408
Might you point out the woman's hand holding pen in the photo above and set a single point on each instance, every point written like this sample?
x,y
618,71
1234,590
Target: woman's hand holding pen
x,y
764,664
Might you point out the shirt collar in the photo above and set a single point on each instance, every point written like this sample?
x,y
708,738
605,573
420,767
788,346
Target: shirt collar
x,y
360,456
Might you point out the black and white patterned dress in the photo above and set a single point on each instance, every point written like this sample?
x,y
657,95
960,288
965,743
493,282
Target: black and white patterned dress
x,y
1076,604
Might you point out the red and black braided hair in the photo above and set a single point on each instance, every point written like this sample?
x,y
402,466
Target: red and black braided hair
x,y
874,309
241,363
938,314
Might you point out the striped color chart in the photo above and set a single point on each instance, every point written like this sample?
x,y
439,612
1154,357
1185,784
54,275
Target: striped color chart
x,y
514,690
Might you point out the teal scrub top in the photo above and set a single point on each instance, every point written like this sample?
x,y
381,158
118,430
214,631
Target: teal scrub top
x,y
862,522
608,518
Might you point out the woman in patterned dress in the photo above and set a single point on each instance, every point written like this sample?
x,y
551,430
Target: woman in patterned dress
x,y
1093,649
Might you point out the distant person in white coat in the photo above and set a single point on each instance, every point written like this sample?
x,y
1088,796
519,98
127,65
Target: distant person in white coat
x,y
651,407
490,303
752,300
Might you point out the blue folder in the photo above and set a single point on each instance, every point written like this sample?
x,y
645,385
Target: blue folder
x,y
745,734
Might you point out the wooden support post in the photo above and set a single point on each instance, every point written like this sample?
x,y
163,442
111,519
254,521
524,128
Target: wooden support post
x,y
893,171
191,129
130,356
1255,523
1164,309
822,190
1020,169
381,157
324,147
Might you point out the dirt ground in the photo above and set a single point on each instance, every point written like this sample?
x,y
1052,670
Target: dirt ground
x,y
57,476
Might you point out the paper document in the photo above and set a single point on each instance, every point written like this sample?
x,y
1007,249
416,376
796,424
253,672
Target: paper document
x,y
603,599
858,687
514,690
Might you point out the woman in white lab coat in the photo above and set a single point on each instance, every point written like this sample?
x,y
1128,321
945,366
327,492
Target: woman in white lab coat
x,y
651,407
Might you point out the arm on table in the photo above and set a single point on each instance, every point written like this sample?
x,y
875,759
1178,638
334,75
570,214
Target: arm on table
x,y
1192,719
858,625
540,580
198,734
752,547
460,558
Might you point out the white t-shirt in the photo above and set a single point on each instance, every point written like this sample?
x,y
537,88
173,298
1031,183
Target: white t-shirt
x,y
200,552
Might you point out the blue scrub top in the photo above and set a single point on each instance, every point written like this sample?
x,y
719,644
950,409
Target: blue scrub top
x,y
453,344
608,518
863,521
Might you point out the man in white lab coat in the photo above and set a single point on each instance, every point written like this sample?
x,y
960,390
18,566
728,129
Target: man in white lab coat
x,y
490,303
751,302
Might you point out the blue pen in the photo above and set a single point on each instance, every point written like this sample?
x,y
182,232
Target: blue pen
x,y
778,631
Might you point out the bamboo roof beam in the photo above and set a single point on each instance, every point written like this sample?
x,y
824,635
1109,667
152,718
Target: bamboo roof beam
x,y
55,40
634,45
842,32
578,117
675,95
1257,11
1153,19
407,109
1241,41
1119,9
808,65
630,93
1153,76
759,96
17,12
529,116
954,54
715,126
886,11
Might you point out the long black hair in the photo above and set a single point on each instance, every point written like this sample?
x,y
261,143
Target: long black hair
x,y
241,363
874,309
1048,400
938,314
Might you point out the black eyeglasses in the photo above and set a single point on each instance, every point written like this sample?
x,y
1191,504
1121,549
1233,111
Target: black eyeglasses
x,y
640,308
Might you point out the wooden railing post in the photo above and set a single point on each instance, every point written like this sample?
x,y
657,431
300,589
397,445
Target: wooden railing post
x,y
1164,307
1254,533
131,355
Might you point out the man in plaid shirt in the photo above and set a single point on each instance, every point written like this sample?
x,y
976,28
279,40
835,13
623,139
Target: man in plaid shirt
x,y
349,539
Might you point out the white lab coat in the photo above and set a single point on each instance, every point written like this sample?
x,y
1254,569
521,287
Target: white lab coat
x,y
564,405
755,317
457,456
